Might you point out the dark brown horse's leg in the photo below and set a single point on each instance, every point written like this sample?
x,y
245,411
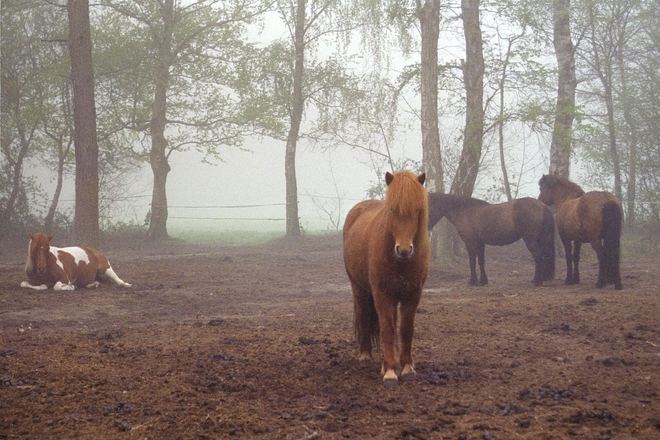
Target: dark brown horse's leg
x,y
481,255
568,253
362,314
602,264
472,256
408,310
387,314
535,250
576,261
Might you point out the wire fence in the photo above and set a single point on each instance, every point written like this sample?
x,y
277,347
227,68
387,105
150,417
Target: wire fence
x,y
311,209
317,209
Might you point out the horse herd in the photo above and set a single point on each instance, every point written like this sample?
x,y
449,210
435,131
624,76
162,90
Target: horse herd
x,y
387,252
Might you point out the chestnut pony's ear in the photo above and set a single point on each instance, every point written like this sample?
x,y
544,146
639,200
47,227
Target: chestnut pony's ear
x,y
421,178
388,177
31,236
50,237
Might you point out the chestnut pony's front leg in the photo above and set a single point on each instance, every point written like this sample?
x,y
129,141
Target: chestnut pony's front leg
x,y
387,317
363,321
408,310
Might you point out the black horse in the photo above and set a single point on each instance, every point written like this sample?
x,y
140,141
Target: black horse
x,y
480,223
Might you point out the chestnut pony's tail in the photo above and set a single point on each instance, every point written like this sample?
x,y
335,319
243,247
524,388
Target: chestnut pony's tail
x,y
374,324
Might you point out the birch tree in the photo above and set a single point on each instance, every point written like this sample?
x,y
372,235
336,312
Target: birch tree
x,y
429,18
560,147
323,83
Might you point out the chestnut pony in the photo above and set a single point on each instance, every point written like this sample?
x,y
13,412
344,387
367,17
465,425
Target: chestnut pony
x,y
480,223
65,268
386,253
594,217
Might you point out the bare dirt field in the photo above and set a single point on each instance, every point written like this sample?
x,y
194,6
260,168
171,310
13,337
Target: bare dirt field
x,y
257,342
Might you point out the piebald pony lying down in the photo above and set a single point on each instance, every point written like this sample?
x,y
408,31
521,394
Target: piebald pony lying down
x,y
65,268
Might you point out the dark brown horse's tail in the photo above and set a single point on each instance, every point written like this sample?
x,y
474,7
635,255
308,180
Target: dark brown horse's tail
x,y
547,246
611,235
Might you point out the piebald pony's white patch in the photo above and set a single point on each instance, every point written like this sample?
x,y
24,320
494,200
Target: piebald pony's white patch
x,y
77,253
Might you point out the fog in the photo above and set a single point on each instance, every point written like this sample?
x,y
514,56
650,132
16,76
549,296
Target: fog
x,y
249,186
244,192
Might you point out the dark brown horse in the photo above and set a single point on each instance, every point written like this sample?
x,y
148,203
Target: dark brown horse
x,y
594,217
480,223
386,253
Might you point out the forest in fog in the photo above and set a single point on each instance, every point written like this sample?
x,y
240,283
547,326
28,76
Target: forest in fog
x,y
495,94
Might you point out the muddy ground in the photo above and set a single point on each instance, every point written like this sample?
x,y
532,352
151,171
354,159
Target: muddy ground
x,y
257,342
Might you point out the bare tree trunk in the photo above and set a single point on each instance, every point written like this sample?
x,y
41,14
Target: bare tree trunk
x,y
560,147
86,218
473,74
611,129
500,135
429,18
15,179
61,157
603,61
158,153
292,220
632,139
62,153
500,124
11,99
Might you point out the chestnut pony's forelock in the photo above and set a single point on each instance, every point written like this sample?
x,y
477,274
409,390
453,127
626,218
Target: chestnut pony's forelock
x,y
406,197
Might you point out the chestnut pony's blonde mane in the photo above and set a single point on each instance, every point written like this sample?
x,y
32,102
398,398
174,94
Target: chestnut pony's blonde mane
x,y
407,198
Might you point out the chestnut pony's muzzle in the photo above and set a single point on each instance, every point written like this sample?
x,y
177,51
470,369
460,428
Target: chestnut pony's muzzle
x,y
403,252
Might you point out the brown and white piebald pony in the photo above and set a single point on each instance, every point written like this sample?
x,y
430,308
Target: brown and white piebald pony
x,y
65,268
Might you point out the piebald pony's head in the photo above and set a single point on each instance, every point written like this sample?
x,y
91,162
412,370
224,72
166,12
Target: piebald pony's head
x,y
37,252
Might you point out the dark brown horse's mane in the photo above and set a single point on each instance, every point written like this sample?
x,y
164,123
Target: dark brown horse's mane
x,y
552,180
452,201
440,204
